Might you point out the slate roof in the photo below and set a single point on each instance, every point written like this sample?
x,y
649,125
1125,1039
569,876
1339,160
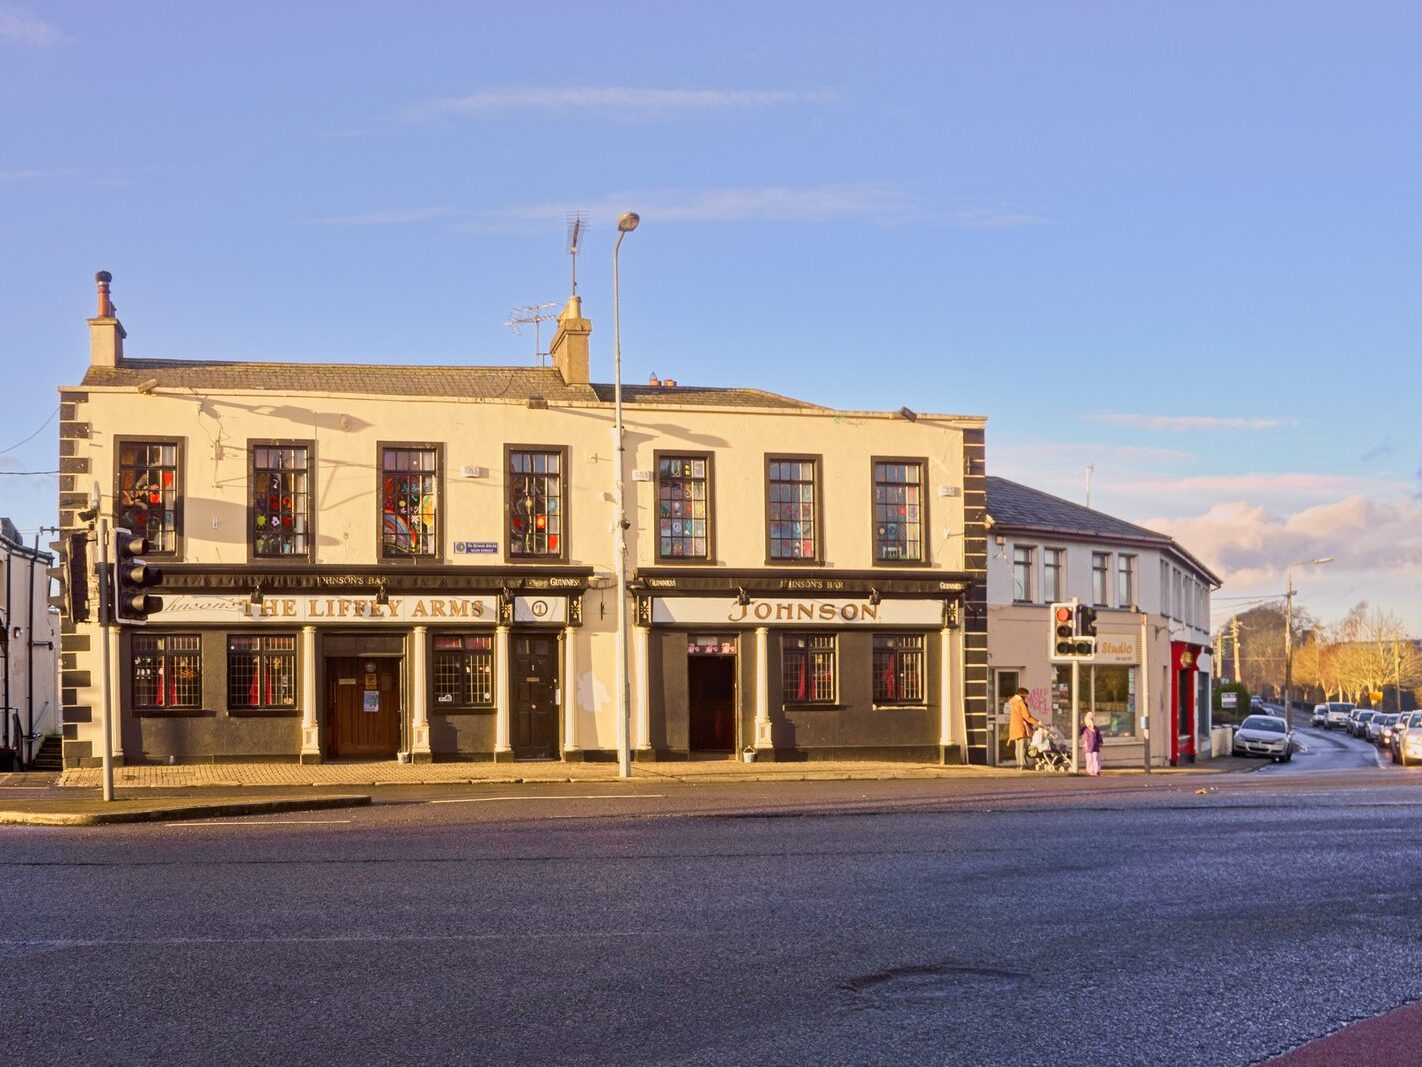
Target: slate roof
x,y
1020,507
475,382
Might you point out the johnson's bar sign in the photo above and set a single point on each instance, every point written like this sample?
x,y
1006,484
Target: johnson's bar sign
x,y
795,611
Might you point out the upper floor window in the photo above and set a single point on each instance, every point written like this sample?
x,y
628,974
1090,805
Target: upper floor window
x,y
463,671
1023,556
166,671
1125,581
536,515
261,671
281,501
1166,606
898,511
409,505
150,493
898,669
792,509
1053,563
808,668
1101,578
683,507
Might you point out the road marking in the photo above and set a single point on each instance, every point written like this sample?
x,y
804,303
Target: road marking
x,y
221,821
591,796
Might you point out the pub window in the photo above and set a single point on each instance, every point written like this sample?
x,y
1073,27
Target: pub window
x,y
281,502
409,508
808,666
898,511
792,486
463,671
536,512
1023,558
150,493
166,671
898,669
261,671
683,507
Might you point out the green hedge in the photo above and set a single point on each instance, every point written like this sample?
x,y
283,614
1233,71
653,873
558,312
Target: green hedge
x,y
1231,716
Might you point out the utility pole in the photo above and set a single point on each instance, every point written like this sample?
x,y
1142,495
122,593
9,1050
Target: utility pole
x,y
1238,669
106,715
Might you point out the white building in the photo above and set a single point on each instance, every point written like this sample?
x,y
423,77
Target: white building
x,y
1151,674
28,642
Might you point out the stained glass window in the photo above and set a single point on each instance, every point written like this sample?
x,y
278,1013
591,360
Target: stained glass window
x,y
791,509
898,511
807,668
409,483
149,495
898,669
463,671
535,503
167,671
261,671
280,501
682,507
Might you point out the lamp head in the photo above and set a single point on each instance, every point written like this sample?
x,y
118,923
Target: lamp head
x,y
628,221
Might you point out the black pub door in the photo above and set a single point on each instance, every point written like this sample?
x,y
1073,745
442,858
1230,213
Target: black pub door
x,y
711,699
534,669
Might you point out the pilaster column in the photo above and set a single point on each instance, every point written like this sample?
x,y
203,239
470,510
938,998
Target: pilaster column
x,y
502,749
310,722
641,690
763,740
947,670
420,697
571,750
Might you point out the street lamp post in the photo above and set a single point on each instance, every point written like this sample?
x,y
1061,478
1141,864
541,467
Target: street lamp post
x,y
625,225
1289,628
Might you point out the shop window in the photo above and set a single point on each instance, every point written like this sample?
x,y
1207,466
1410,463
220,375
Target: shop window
x,y
463,671
898,669
898,511
150,493
792,509
1108,691
808,668
166,671
535,504
261,672
683,507
409,505
281,502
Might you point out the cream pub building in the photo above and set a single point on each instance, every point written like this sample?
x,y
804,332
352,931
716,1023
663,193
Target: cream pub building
x,y
416,562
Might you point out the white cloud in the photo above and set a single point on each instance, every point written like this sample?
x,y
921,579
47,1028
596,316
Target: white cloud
x,y
19,27
616,99
1283,485
1188,422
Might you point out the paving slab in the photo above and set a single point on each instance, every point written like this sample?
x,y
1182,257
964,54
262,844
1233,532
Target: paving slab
x,y
90,811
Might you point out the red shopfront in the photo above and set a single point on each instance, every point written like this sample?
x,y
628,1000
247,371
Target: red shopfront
x,y
1184,700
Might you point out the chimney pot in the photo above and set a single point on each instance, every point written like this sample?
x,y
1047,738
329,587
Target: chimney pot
x,y
654,381
106,333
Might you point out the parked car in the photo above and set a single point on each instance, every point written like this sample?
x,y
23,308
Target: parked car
x,y
1339,714
1399,730
1361,716
1265,735
1375,725
1320,715
1257,706
1409,740
1389,723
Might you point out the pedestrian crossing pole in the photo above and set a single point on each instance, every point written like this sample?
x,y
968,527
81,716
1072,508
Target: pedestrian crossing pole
x,y
1075,715
106,681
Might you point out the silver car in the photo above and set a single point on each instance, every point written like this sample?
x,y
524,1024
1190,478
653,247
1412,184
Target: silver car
x,y
1409,739
1339,712
1265,735
1375,726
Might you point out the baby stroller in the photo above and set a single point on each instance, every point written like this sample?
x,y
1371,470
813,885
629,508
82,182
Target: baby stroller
x,y
1048,749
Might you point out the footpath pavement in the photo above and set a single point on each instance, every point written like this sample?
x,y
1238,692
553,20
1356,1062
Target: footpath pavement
x,y
207,790
1394,1038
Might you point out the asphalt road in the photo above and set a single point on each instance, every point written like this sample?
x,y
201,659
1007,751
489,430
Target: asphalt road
x,y
1202,919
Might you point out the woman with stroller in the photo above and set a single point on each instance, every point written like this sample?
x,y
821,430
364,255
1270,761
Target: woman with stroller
x,y
1091,745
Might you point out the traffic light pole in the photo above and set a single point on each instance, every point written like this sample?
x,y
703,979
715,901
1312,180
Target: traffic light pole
x,y
1075,716
105,681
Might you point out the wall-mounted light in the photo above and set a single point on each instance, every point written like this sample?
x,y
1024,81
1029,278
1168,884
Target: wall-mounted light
x,y
257,595
874,597
19,632
742,597
382,595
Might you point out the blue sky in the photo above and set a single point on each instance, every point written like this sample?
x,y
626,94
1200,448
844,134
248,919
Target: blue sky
x,y
1177,242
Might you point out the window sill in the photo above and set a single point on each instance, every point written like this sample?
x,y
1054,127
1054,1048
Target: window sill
x,y
170,713
264,713
813,707
445,709
899,706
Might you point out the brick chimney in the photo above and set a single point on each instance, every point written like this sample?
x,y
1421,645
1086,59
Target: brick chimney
x,y
106,333
570,343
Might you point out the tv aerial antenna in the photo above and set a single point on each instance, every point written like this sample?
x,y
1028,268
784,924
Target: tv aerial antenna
x,y
577,224
535,315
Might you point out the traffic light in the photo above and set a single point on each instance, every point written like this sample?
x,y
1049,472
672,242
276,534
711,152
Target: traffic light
x,y
1086,621
1062,637
72,575
133,577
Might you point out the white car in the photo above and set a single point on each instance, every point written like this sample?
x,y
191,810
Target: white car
x,y
1265,735
1320,715
1409,741
1338,712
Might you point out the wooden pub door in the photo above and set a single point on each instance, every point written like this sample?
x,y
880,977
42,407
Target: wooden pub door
x,y
534,667
362,706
